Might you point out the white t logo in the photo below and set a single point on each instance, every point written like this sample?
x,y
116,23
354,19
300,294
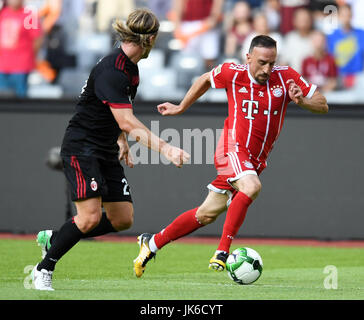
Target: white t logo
x,y
250,111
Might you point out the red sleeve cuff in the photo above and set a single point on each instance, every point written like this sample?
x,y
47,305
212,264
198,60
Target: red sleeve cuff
x,y
119,105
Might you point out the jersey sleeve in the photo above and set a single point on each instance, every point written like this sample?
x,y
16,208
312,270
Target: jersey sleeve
x,y
218,76
307,88
112,88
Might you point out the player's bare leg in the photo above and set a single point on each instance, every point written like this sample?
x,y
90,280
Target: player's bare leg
x,y
248,188
249,184
88,214
212,207
120,214
118,217
184,224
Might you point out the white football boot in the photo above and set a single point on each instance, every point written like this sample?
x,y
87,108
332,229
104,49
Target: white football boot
x,y
42,280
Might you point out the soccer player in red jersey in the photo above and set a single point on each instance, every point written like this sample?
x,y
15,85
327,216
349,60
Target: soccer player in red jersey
x,y
258,94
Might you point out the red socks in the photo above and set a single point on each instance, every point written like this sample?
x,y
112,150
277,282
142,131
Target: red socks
x,y
187,222
183,225
234,219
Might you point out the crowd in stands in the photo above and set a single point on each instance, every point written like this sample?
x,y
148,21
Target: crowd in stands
x,y
48,47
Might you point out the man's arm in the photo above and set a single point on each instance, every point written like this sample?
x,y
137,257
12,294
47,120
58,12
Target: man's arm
x,y
124,150
178,6
216,13
132,126
199,87
316,104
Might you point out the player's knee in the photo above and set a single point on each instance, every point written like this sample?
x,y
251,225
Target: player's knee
x,y
88,223
251,186
124,222
254,189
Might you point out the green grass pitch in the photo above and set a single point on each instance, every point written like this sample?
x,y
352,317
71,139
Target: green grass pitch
x,y
103,270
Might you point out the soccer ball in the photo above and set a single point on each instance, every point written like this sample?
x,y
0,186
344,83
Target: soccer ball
x,y
244,265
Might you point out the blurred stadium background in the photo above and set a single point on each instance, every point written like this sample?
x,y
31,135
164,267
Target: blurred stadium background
x,y
312,187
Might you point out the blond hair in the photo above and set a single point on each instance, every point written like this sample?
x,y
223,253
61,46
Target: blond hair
x,y
140,26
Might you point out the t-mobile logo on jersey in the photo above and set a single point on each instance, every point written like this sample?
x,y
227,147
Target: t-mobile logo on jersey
x,y
250,107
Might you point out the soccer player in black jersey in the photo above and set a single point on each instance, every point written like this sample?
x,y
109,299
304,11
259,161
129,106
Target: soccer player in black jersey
x,y
95,142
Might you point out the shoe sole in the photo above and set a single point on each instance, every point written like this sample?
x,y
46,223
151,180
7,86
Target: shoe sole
x,y
216,266
135,260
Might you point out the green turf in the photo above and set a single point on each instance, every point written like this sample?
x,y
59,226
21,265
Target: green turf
x,y
101,270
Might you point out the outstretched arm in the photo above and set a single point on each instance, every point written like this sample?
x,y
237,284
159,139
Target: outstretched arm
x,y
199,87
316,104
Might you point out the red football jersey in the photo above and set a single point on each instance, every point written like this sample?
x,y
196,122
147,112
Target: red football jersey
x,y
256,112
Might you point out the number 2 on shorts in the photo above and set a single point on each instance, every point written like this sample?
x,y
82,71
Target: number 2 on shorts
x,y
126,187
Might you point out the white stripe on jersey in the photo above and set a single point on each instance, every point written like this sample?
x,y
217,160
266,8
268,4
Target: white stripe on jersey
x,y
268,120
279,68
259,165
250,121
212,81
238,161
235,106
284,101
311,92
233,163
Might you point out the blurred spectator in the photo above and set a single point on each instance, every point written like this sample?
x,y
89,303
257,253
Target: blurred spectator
x,y
271,9
260,27
323,12
160,8
252,3
60,21
50,13
346,44
320,68
238,28
297,44
69,18
288,9
108,10
196,27
20,40
357,11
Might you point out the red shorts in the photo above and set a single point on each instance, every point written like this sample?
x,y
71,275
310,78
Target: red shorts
x,y
231,167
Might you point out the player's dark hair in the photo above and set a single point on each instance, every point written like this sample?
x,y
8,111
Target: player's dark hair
x,y
262,41
139,27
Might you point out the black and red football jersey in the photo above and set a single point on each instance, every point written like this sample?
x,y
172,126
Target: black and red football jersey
x,y
93,130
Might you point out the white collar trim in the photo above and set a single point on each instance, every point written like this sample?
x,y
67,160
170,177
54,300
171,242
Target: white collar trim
x,y
251,77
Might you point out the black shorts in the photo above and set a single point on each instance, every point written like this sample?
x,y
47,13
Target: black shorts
x,y
91,177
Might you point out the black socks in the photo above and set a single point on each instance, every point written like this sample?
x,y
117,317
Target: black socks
x,y
64,239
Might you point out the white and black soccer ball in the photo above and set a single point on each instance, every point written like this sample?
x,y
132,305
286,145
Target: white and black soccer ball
x,y
244,266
